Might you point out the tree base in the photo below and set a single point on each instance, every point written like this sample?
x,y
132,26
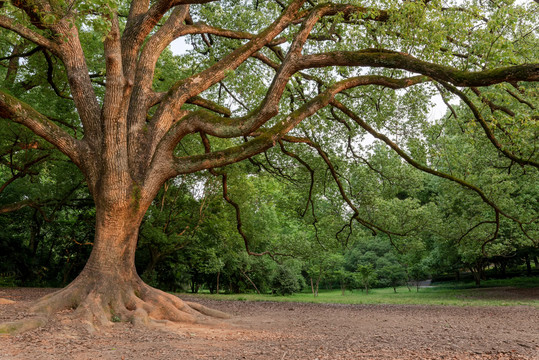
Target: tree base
x,y
99,304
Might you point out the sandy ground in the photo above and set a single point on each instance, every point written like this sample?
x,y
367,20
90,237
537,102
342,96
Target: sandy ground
x,y
269,330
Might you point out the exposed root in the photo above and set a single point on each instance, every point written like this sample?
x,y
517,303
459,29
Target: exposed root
x,y
100,304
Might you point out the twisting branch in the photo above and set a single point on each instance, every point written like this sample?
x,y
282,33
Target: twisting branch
x,y
22,171
16,206
424,168
142,96
493,107
473,228
16,110
239,224
36,38
140,22
50,77
494,236
350,147
234,96
210,105
398,60
449,106
194,85
16,55
349,226
520,100
372,227
264,139
311,173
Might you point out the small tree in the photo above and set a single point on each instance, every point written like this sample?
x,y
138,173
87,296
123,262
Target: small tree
x,y
367,275
394,275
417,273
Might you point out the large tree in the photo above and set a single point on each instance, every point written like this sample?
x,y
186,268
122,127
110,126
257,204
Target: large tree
x,y
294,60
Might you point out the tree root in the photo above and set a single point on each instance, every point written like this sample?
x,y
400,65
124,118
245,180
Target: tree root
x,y
100,304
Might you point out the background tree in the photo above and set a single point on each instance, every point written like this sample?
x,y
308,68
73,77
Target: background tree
x,y
367,275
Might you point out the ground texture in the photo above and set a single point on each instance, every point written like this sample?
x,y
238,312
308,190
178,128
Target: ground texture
x,y
268,330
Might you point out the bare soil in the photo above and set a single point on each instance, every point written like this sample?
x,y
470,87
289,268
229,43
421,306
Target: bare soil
x,y
271,330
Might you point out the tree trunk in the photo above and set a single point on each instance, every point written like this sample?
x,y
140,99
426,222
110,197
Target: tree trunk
x,y
155,257
528,265
217,286
476,275
109,288
503,268
35,233
317,285
251,281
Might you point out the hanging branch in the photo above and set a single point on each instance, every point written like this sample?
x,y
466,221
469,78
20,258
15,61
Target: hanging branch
x,y
519,99
486,128
473,228
311,173
331,168
22,171
424,168
493,107
494,236
50,79
239,224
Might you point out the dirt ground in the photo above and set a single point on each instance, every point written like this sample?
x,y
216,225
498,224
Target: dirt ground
x,y
269,330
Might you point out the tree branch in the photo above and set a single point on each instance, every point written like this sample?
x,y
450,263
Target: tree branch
x,y
419,166
22,113
397,60
264,139
239,224
12,25
486,128
194,85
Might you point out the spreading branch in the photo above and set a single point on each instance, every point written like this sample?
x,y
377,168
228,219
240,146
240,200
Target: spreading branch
x,y
20,112
424,168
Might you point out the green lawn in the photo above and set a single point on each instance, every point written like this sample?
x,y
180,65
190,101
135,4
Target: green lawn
x,y
519,291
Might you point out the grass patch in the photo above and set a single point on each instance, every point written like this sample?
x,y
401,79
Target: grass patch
x,y
514,292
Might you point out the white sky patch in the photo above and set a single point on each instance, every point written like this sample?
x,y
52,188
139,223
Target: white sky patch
x,y
440,108
180,46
